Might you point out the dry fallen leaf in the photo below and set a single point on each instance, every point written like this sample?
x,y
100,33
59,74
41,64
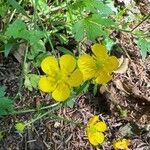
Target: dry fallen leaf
x,y
124,63
119,85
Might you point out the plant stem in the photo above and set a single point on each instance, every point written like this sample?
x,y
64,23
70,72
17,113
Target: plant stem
x,y
34,110
140,22
22,73
46,113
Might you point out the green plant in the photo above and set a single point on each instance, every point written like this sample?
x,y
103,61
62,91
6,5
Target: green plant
x,y
6,104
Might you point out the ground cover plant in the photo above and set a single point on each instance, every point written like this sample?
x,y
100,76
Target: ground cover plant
x,y
74,74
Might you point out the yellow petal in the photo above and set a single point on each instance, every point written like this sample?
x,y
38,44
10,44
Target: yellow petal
x,y
92,140
93,120
103,77
121,144
99,137
111,64
67,63
62,92
76,78
50,65
87,66
47,84
99,51
96,138
101,126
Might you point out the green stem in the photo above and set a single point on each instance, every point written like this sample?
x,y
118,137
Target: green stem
x,y
34,110
45,32
22,74
46,113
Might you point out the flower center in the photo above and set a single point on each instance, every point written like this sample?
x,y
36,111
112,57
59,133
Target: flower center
x,y
99,64
61,76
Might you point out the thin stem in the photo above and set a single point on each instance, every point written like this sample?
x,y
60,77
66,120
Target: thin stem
x,y
140,22
47,36
22,73
46,113
34,110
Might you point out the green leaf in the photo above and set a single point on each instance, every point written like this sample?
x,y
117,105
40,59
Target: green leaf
x,y
34,36
8,46
92,27
31,81
144,45
79,30
70,103
6,104
83,88
3,8
2,91
97,6
36,48
17,30
95,89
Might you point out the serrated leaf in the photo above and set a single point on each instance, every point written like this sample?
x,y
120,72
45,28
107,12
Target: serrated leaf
x,y
17,29
97,6
35,49
31,81
144,45
78,30
34,79
34,36
92,27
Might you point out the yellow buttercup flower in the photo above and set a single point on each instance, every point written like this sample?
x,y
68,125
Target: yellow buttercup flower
x,y
61,75
121,144
94,130
98,66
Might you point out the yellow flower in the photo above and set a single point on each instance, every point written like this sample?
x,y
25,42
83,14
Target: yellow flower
x,y
98,66
61,76
121,144
94,130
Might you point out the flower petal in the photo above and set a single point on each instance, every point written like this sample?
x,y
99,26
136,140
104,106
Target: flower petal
x,y
103,77
93,120
87,66
99,51
67,63
96,138
121,144
92,140
101,126
50,65
47,84
111,64
75,78
62,92
99,137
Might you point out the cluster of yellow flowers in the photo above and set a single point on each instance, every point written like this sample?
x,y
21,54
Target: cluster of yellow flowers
x,y
94,131
66,72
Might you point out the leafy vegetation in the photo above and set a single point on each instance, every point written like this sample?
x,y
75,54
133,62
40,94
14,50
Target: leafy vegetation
x,y
52,40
